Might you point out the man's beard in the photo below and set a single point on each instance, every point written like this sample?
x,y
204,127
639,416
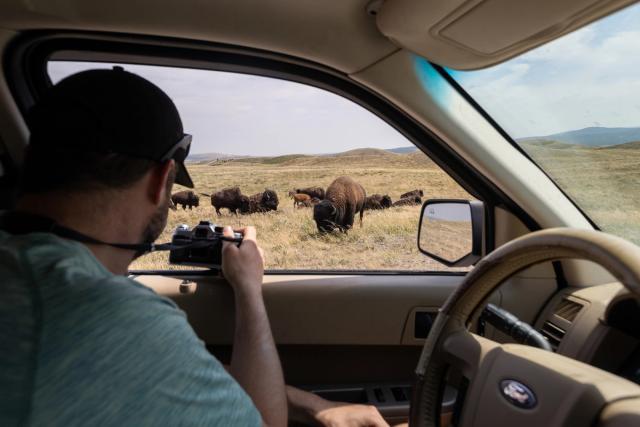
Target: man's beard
x,y
156,225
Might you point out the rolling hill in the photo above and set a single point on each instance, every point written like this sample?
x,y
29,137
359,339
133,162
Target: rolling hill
x,y
403,150
590,137
635,145
210,157
549,143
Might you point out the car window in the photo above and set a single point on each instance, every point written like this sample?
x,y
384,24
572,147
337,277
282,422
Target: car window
x,y
283,144
574,106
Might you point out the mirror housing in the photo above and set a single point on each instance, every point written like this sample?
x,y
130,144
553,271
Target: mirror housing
x,y
451,231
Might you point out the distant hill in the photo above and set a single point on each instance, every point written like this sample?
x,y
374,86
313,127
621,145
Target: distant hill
x,y
548,143
591,136
210,157
402,150
365,152
358,156
635,145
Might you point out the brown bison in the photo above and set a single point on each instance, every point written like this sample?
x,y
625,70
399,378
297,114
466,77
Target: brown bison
x,y
412,193
185,198
262,202
317,192
408,201
377,201
343,200
299,199
230,198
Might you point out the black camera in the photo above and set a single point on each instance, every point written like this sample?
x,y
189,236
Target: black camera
x,y
200,246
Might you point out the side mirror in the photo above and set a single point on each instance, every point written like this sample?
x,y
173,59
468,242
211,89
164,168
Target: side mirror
x,y
450,231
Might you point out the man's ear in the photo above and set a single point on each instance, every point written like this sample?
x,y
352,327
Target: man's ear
x,y
159,181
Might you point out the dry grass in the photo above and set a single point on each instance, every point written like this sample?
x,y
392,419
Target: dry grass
x,y
602,181
387,240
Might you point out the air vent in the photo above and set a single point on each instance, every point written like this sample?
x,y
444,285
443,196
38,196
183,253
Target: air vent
x,y
553,334
567,309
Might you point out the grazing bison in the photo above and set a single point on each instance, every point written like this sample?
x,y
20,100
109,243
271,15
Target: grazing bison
x,y
317,192
262,202
412,193
185,198
377,201
299,199
343,200
408,201
230,198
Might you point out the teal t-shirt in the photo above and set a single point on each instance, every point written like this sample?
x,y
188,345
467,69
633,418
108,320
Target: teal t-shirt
x,y
82,346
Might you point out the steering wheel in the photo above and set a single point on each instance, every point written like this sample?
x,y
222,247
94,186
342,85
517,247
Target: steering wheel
x,y
517,385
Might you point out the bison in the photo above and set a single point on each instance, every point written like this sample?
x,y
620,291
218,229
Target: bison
x,y
299,199
343,200
185,198
317,192
262,202
408,201
412,193
230,198
377,201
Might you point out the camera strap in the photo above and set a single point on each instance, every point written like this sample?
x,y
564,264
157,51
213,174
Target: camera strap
x,y
25,223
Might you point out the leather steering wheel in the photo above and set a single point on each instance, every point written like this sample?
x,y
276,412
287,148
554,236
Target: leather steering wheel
x,y
517,385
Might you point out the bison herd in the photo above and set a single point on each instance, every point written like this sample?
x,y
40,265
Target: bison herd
x,y
333,209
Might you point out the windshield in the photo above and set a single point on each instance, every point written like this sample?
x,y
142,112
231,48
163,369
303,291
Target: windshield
x,y
574,106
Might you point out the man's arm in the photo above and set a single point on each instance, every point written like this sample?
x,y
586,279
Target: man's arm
x,y
310,409
254,361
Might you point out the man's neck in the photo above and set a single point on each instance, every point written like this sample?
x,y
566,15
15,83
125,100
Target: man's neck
x,y
107,222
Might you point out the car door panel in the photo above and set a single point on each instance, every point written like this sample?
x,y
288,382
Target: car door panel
x,y
313,309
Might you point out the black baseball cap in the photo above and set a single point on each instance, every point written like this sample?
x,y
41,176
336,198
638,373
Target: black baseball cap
x,y
111,111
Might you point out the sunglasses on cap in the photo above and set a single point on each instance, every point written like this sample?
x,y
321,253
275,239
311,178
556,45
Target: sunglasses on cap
x,y
179,153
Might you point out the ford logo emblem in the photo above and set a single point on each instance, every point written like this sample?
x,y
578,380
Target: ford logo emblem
x,y
518,394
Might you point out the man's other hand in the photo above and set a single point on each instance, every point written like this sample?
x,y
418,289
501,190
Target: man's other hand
x,y
243,266
350,415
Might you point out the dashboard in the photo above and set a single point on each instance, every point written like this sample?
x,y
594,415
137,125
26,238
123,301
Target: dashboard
x,y
598,325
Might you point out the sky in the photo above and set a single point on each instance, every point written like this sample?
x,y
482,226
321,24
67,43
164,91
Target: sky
x,y
252,115
590,77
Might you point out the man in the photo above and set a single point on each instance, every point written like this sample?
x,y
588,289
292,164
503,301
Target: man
x,y
83,344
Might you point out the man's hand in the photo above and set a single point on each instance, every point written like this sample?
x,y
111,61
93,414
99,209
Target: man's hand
x,y
351,415
309,408
243,266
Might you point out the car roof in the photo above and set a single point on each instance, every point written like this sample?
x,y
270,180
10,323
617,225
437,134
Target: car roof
x,y
338,34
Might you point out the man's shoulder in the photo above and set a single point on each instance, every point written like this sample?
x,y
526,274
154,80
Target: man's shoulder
x,y
44,254
67,272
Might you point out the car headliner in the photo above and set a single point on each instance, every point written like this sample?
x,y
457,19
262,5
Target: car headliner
x,y
340,34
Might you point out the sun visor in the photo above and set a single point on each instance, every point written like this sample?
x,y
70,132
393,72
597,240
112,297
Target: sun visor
x,y
475,34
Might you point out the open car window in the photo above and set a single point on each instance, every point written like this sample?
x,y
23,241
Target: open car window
x,y
268,135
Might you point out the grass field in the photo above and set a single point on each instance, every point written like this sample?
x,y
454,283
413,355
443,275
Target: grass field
x,y
387,240
604,181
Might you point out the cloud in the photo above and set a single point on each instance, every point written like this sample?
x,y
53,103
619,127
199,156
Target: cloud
x,y
587,78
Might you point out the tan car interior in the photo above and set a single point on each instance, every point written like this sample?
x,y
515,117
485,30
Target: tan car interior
x,y
360,337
